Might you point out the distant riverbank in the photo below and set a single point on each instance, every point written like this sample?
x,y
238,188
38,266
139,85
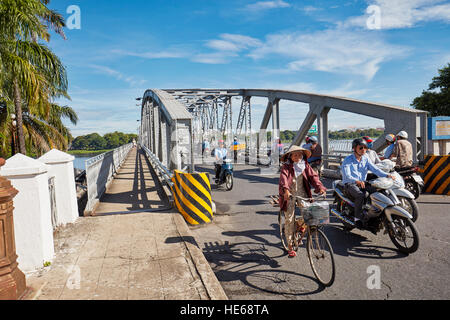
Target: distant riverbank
x,y
87,153
82,155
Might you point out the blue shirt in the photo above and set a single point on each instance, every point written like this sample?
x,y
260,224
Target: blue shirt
x,y
353,170
389,150
220,153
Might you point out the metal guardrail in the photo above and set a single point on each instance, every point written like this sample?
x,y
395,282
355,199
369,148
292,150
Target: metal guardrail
x,y
99,172
159,167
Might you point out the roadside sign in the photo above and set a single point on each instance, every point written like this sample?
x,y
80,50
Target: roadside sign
x,y
313,129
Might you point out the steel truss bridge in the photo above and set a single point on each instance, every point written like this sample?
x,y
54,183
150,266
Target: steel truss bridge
x,y
174,122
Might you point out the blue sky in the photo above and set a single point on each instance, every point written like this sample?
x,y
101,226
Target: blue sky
x,y
386,54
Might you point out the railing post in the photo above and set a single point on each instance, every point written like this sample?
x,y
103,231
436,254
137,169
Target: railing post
x,y
12,280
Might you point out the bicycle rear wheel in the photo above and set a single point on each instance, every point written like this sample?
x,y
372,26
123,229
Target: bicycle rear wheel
x,y
321,257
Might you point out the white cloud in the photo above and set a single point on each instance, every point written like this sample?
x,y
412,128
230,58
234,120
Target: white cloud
x,y
227,47
266,5
395,14
117,74
233,42
332,50
214,58
154,55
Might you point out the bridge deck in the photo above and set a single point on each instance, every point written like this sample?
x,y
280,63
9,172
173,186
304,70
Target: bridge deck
x,y
133,188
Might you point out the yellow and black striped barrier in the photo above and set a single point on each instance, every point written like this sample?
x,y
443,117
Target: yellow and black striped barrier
x,y
436,174
192,195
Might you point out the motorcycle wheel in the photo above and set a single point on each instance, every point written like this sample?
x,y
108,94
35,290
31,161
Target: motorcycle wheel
x,y
404,230
342,206
229,182
410,205
413,187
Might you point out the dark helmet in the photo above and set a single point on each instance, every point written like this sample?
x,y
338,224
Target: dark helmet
x,y
367,138
359,142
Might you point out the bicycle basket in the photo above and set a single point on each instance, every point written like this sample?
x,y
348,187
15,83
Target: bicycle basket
x,y
316,213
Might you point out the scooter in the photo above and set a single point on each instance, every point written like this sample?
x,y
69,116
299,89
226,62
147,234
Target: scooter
x,y
383,210
226,174
317,166
407,199
413,182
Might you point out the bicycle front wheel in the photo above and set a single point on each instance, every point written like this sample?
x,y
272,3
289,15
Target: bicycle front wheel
x,y
281,222
321,257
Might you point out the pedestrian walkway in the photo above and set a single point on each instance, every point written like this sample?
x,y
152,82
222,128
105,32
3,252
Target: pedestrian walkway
x,y
124,252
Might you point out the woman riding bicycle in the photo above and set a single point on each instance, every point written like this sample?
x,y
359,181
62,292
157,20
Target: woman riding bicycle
x,y
296,178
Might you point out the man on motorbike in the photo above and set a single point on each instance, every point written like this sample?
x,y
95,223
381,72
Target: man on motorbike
x,y
390,139
403,151
316,153
372,154
354,172
220,153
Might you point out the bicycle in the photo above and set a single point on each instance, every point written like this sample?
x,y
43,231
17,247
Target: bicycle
x,y
318,247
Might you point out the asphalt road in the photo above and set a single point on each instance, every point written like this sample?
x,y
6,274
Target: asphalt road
x,y
243,247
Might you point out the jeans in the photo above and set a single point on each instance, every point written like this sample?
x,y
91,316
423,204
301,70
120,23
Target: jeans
x,y
359,196
218,168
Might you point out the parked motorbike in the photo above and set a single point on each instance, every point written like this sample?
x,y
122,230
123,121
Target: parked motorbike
x,y
384,212
407,199
226,174
413,182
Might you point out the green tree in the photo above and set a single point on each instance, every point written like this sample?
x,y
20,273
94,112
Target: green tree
x,y
112,140
436,100
32,76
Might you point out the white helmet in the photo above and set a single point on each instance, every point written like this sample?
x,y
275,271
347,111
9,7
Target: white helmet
x,y
402,134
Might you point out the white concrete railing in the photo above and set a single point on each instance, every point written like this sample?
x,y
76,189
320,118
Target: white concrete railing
x,y
34,215
99,173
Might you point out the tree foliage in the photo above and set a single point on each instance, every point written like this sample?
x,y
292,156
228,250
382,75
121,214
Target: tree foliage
x,y
31,78
94,141
288,135
436,100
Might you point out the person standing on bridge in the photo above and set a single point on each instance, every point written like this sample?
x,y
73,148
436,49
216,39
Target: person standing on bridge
x,y
296,178
235,147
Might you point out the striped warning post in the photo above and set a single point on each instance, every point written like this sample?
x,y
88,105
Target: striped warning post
x,y
436,174
192,195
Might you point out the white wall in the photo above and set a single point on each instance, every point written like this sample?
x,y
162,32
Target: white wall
x,y
32,213
60,165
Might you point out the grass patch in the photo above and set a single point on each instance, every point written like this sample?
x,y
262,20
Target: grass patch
x,y
87,152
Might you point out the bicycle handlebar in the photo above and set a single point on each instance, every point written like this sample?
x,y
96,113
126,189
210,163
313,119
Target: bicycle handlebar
x,y
309,199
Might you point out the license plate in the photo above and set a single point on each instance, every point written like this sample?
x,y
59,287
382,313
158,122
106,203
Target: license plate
x,y
417,178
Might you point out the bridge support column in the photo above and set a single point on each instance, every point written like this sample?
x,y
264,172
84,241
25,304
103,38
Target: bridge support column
x,y
275,154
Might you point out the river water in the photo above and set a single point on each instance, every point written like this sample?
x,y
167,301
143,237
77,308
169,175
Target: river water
x,y
79,162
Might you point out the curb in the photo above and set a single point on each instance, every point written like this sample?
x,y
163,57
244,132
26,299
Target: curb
x,y
211,283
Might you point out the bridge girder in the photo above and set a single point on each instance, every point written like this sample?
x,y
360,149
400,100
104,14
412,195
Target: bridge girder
x,y
203,106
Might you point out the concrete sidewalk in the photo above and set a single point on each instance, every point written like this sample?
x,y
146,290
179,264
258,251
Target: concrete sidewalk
x,y
125,254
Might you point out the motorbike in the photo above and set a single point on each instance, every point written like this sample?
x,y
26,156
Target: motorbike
x,y
317,166
413,182
226,174
383,210
406,198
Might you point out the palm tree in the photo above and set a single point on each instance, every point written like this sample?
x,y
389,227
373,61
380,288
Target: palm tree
x,y
35,75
